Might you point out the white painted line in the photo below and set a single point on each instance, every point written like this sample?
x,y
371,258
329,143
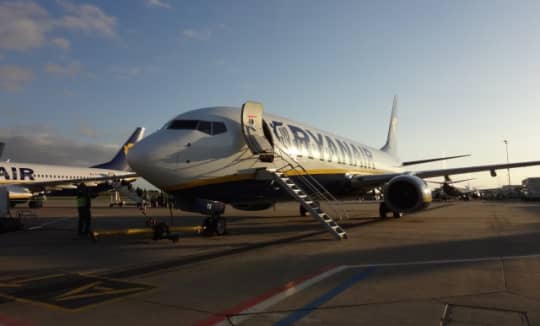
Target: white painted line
x,y
445,261
37,227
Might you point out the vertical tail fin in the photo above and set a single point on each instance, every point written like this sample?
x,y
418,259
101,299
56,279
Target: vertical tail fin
x,y
391,141
119,161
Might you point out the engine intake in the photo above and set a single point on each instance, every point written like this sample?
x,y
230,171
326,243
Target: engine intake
x,y
406,194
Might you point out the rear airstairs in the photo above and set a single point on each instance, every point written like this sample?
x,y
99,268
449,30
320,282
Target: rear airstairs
x,y
309,193
119,194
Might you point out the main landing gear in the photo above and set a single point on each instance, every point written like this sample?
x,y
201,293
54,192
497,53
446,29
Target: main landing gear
x,y
303,211
215,225
384,210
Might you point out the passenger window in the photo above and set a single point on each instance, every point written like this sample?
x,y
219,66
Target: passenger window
x,y
183,124
218,128
205,126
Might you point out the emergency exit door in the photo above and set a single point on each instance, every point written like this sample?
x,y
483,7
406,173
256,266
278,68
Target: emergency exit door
x,y
253,130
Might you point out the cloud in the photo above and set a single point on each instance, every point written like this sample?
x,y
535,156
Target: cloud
x,y
86,131
157,4
13,78
200,34
70,69
24,24
40,144
61,43
87,18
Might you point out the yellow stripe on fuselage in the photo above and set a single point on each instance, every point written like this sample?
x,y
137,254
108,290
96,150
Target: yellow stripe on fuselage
x,y
251,176
16,182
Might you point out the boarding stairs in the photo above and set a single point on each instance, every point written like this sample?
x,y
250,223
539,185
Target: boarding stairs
x,y
309,193
126,192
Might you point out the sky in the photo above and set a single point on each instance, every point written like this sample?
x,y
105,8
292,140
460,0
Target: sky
x,y
77,77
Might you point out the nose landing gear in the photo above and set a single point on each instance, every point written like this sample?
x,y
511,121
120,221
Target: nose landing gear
x,y
214,225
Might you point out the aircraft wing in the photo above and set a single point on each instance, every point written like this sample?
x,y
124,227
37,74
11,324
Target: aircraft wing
x,y
380,179
44,184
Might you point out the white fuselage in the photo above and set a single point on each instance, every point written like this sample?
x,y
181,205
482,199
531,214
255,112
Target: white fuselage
x,y
23,179
184,159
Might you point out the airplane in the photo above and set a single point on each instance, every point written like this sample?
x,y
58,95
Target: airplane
x,y
29,182
208,157
447,189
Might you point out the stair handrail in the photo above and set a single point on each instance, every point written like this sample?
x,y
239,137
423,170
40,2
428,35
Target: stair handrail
x,y
316,187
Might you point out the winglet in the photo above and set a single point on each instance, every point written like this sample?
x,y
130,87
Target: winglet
x,y
119,161
391,141
2,145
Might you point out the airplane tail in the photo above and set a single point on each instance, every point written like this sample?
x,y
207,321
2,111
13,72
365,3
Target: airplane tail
x,y
119,161
391,141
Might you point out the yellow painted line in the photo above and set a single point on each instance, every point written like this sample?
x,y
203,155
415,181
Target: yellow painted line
x,y
133,231
77,291
38,278
136,291
250,176
109,292
218,180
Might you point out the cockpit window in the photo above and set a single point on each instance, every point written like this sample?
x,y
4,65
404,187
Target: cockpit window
x,y
205,126
209,128
218,128
183,124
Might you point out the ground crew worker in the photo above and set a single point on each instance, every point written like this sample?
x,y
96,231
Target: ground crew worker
x,y
83,206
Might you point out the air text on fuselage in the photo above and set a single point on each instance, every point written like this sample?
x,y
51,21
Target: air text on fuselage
x,y
14,173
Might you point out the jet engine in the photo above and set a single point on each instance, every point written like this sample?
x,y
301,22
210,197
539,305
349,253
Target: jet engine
x,y
252,206
406,194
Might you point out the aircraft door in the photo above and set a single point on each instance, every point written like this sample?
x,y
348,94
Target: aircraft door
x,y
253,131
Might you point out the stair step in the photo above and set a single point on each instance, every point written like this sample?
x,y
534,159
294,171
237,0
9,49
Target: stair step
x,y
311,205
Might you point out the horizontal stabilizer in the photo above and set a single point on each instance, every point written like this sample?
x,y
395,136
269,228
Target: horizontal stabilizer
x,y
433,160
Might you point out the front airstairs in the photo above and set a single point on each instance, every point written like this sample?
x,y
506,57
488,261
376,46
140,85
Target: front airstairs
x,y
309,193
292,177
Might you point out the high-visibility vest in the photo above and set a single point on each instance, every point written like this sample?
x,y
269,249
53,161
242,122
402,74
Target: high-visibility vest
x,y
81,201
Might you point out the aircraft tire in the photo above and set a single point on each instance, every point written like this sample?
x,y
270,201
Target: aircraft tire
x,y
397,215
383,210
220,225
303,211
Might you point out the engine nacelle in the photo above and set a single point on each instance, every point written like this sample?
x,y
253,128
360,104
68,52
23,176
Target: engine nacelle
x,y
406,194
199,205
252,206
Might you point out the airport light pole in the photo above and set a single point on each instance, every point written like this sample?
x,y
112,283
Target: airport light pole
x,y
507,161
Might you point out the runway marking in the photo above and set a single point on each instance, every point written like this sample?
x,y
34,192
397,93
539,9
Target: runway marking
x,y
40,226
246,310
68,290
308,308
262,302
445,261
8,321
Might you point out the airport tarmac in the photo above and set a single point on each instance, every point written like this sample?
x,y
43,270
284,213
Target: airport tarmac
x,y
457,263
